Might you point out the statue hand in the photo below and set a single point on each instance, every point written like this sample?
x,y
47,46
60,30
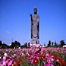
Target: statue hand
x,y
31,15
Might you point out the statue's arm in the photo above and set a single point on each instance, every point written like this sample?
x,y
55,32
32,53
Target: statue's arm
x,y
31,17
38,20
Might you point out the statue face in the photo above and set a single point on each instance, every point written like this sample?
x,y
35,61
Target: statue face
x,y
35,10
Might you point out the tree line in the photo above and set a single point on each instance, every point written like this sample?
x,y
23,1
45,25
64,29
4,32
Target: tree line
x,y
17,44
54,44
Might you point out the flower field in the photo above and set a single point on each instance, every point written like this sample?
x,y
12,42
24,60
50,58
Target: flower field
x,y
34,56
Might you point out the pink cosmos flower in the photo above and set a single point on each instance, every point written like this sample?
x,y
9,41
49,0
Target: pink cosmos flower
x,y
57,60
10,63
48,64
50,60
47,55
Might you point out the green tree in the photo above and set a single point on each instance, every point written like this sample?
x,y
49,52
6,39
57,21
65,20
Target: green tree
x,y
0,42
25,45
52,44
62,43
5,46
49,43
55,44
44,44
15,44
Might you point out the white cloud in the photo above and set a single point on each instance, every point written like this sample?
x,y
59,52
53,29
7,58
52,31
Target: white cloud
x,y
8,32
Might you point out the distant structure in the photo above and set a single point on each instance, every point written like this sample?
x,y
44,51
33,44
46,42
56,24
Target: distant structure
x,y
29,45
34,27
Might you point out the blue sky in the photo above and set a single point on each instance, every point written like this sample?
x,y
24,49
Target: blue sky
x,y
15,20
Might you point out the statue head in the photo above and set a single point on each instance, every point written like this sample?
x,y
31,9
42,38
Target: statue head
x,y
35,10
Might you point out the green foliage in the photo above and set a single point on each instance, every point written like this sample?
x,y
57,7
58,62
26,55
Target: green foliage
x,y
63,56
24,63
62,43
15,44
56,63
49,43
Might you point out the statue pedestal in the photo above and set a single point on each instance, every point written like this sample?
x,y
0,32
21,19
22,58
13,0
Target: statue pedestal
x,y
35,45
35,41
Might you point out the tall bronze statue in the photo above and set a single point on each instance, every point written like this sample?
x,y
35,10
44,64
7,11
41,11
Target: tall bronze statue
x,y
34,27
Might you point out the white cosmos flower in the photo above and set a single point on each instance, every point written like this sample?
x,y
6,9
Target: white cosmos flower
x,y
5,54
0,57
14,54
23,54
